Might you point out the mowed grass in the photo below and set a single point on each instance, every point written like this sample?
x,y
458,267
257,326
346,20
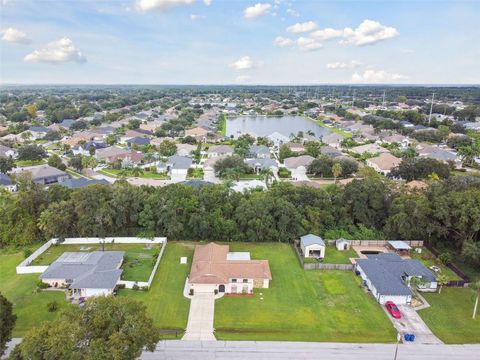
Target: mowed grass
x,y
450,316
427,259
138,260
301,305
165,301
30,307
334,256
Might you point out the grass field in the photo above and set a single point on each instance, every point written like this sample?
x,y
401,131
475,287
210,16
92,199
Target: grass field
x,y
334,256
301,305
146,174
450,316
29,306
138,261
331,128
165,301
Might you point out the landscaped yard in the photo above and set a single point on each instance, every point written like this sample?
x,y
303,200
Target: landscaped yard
x,y
334,256
138,261
165,301
450,316
301,305
427,259
29,306
128,173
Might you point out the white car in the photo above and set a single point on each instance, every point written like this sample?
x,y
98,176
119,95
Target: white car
x,y
435,268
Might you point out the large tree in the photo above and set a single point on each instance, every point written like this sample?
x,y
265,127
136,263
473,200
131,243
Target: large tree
x,y
31,152
7,322
106,328
6,164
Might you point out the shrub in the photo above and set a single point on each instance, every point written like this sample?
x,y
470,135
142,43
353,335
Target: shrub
x,y
191,292
52,306
121,286
215,291
42,285
144,288
135,287
445,258
27,253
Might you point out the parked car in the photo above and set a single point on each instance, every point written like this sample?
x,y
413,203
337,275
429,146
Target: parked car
x,y
435,268
393,309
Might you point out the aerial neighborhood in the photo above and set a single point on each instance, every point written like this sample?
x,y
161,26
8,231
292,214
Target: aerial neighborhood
x,y
286,215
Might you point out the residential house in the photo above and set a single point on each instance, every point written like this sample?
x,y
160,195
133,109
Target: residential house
x,y
82,182
258,151
84,148
369,148
38,132
244,185
278,139
199,133
87,274
114,153
66,123
177,166
215,268
295,147
43,174
185,149
312,246
333,139
6,183
330,151
262,164
220,150
387,276
384,163
137,141
298,166
5,151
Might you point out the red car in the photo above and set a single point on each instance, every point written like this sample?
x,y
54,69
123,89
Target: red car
x,y
393,309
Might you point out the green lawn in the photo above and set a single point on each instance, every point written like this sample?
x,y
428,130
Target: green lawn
x,y
301,305
165,301
222,125
138,261
23,163
427,259
29,306
450,316
334,256
331,128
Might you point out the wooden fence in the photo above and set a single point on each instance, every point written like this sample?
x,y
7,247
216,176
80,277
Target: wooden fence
x,y
412,243
453,283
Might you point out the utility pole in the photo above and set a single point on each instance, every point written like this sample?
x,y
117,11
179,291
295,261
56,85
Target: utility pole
x,y
431,108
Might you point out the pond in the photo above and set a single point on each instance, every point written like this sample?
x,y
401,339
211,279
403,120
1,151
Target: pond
x,y
264,126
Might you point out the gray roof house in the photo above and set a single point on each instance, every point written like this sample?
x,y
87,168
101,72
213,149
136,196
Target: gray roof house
x,y
140,141
66,123
258,151
262,164
5,151
87,273
82,182
44,174
387,276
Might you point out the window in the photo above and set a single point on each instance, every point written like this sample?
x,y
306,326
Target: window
x,y
234,280
245,280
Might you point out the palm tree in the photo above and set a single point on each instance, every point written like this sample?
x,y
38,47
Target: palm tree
x,y
442,280
337,170
137,171
475,287
266,174
416,281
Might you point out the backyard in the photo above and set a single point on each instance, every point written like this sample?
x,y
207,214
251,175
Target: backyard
x,y
334,256
301,305
165,301
137,264
29,305
450,316
427,259
118,173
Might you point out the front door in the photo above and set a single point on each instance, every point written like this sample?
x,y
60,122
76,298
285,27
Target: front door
x,y
221,288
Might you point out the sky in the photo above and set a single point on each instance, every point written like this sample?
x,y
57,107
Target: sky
x,y
239,42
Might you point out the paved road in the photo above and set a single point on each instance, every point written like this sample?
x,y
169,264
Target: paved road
x,y
412,323
193,350
200,317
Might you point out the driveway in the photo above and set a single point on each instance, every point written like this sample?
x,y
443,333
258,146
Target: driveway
x,y
200,317
412,323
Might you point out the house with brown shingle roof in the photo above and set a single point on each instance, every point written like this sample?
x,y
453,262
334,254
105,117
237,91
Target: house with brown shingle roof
x,y
384,163
214,267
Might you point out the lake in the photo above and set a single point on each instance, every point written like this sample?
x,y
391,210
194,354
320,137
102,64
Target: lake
x,y
264,126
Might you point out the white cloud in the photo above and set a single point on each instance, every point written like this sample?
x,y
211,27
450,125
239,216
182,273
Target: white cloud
x,y
208,2
302,27
281,41
326,34
293,13
148,5
256,10
15,36
196,17
368,32
377,76
308,44
244,63
242,79
339,65
57,52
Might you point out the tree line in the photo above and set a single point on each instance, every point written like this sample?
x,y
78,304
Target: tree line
x,y
446,214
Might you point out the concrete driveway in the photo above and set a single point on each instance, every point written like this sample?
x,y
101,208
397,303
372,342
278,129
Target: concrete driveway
x,y
412,323
200,318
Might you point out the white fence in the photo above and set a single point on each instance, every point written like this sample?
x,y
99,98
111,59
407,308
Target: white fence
x,y
25,268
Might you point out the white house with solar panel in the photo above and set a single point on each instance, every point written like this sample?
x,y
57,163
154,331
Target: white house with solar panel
x,y
86,273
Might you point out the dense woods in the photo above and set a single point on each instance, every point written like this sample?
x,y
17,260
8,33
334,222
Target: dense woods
x,y
447,214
